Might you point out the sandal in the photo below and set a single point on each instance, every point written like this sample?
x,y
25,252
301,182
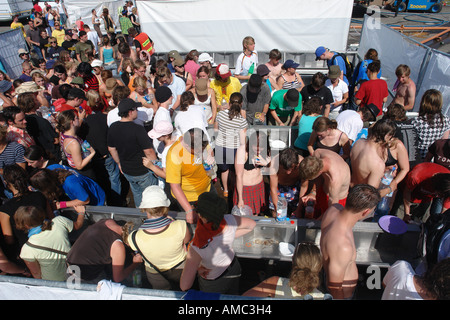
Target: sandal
x,y
225,194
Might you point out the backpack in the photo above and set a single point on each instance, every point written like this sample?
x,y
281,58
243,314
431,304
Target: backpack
x,y
431,235
348,65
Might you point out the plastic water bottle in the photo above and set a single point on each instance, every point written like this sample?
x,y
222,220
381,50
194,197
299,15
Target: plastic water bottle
x,y
137,278
210,170
251,70
281,208
387,179
148,98
384,205
224,103
85,146
382,209
157,163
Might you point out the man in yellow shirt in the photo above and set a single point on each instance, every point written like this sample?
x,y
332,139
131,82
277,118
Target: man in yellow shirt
x,y
17,24
224,84
185,172
58,33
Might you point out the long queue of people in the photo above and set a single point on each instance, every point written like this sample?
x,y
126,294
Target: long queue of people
x,y
93,120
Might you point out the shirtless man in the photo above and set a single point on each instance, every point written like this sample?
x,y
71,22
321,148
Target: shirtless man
x,y
285,178
368,156
337,243
367,165
405,87
331,175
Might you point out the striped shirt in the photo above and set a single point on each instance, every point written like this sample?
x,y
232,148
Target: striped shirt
x,y
91,83
12,154
228,136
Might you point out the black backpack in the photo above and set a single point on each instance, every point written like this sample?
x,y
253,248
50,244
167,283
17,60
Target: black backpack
x,y
431,235
348,65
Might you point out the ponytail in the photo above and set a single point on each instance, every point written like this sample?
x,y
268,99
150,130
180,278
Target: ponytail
x,y
235,105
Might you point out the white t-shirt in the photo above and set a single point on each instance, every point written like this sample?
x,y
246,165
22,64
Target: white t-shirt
x,y
144,115
219,253
243,63
93,36
194,117
177,87
60,8
163,156
349,121
338,91
162,114
399,283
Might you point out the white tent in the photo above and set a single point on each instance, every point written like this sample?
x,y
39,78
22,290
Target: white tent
x,y
83,9
220,25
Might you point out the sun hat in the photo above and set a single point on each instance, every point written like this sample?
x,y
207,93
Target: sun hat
x,y
262,70
29,86
110,84
154,197
334,72
22,51
203,57
162,128
201,86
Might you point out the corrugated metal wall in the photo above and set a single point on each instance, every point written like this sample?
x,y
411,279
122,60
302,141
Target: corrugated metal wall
x,y
10,42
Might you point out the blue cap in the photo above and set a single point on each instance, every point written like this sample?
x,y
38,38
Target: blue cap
x,y
290,64
320,51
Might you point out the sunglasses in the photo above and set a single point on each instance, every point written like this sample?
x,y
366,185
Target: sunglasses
x,y
182,66
51,42
23,54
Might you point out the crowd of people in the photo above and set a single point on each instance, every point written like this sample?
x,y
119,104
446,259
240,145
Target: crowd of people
x,y
95,115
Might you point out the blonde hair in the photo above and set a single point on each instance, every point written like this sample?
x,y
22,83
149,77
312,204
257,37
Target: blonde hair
x,y
92,98
306,268
247,40
156,212
139,82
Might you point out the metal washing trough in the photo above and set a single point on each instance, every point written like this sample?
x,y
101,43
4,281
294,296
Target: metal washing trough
x,y
373,245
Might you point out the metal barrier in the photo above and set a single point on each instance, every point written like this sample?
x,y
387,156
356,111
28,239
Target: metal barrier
x,y
373,245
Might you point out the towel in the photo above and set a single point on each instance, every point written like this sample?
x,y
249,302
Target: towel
x,y
204,233
109,290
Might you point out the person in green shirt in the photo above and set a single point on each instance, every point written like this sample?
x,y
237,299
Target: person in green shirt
x,y
84,47
285,107
125,24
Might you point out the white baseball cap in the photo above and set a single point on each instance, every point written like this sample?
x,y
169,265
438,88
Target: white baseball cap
x,y
96,63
